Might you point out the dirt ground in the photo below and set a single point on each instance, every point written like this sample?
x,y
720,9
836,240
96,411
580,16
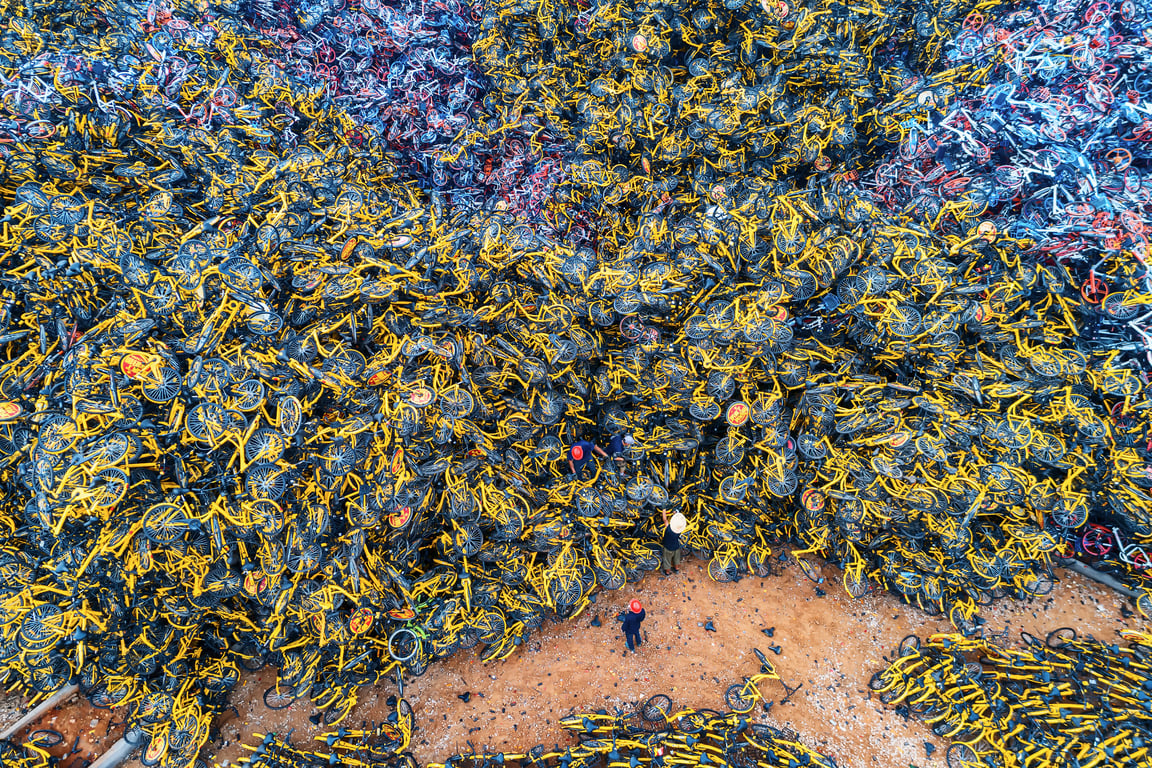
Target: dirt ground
x,y
87,731
829,643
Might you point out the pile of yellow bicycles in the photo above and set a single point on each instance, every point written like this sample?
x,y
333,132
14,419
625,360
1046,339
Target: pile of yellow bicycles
x,y
373,745
300,316
1065,700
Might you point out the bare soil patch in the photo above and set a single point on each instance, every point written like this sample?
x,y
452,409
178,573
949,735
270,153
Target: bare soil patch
x,y
829,643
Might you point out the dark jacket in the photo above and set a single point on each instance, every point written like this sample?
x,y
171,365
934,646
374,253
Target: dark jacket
x,y
671,540
632,621
587,449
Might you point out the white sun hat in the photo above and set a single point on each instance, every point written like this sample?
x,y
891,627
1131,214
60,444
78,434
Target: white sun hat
x,y
677,523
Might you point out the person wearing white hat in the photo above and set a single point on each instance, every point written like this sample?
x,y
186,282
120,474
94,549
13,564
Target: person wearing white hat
x,y
670,557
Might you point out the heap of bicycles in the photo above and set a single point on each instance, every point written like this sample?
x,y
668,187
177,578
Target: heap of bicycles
x,y
1062,701
303,303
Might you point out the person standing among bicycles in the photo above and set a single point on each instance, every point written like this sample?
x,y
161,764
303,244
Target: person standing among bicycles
x,y
580,454
616,448
670,557
631,625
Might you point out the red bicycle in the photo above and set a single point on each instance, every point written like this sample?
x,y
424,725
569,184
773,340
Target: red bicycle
x,y
1101,541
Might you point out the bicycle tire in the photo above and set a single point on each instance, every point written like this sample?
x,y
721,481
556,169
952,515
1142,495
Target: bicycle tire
x,y
962,756
809,571
722,570
657,708
739,700
760,564
157,748
1057,638
856,586
396,647
45,737
878,682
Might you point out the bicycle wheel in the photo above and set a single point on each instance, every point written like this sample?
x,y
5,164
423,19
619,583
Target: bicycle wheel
x,y
909,646
722,569
111,449
962,756
164,523
760,563
206,422
1096,541
657,708
277,698
1070,513
1059,637
809,570
782,486
740,698
247,395
157,748
164,386
289,415
109,486
856,584
265,445
403,644
903,321
265,481
45,737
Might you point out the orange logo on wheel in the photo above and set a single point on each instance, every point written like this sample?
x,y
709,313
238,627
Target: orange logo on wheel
x,y
397,461
421,396
361,621
812,500
400,517
255,583
349,246
10,410
402,614
133,363
156,748
737,414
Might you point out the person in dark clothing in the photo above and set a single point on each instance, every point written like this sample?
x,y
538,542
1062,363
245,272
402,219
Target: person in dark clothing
x,y
632,621
670,557
580,454
616,448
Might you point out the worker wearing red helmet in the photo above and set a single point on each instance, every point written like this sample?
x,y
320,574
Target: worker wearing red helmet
x,y
580,454
632,619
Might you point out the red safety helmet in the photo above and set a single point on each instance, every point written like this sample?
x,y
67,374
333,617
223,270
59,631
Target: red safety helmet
x,y
577,452
635,606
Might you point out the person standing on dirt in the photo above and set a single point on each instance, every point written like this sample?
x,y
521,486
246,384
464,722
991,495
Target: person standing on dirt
x,y
670,557
580,454
632,620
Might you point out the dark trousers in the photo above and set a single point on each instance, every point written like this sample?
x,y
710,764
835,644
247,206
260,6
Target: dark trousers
x,y
632,640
